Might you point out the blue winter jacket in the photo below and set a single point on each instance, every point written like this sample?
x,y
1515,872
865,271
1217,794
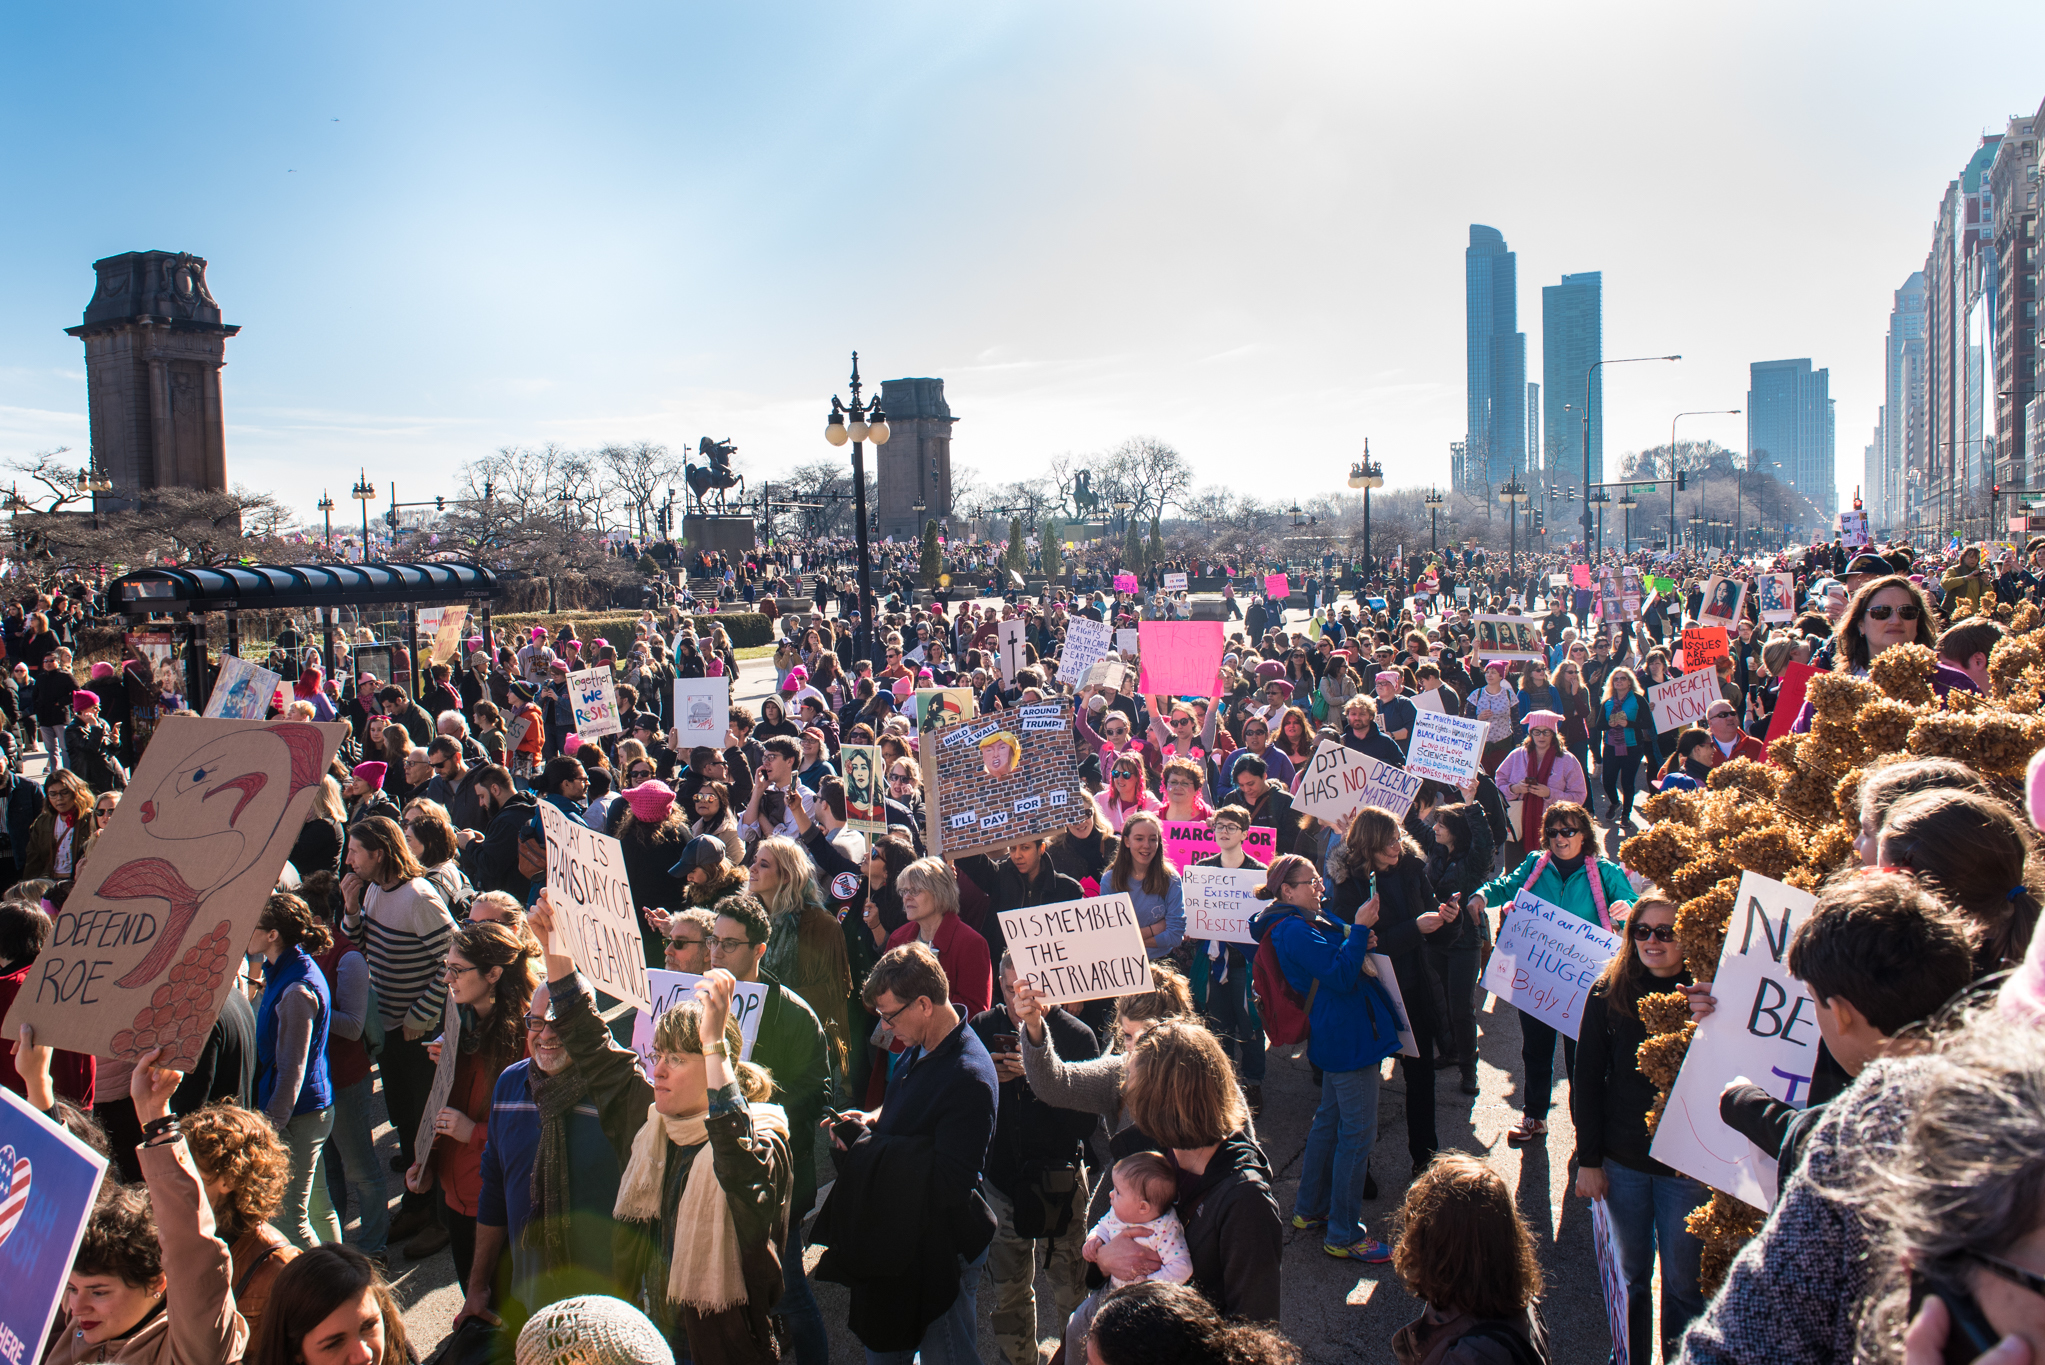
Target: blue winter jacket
x,y
1351,1016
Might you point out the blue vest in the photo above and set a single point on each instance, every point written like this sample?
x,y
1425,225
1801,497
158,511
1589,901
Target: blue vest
x,y
294,967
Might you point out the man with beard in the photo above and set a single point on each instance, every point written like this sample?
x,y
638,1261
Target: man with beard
x,y
490,859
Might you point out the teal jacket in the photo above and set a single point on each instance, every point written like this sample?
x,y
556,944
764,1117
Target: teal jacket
x,y
1573,895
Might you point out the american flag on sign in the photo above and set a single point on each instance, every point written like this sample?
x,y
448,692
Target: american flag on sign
x,y
14,1177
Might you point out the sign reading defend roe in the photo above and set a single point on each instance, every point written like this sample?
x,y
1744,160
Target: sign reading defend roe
x,y
1080,950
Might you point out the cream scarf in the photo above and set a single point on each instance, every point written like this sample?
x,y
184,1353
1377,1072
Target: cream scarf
x,y
703,1269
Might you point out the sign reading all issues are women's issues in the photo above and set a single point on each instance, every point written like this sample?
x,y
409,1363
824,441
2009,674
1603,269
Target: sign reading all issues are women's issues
x,y
1088,949
594,914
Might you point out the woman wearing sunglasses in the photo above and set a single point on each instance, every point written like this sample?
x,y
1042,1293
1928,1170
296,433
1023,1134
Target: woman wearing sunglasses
x,y
1126,792
1610,1103
1568,872
1885,612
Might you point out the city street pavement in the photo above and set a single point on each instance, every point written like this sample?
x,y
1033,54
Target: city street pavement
x,y
1335,1310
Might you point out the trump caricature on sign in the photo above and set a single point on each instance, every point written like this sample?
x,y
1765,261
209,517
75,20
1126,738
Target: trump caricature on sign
x,y
1001,754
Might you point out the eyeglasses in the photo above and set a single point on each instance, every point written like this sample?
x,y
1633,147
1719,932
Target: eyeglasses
x,y
1304,881
681,941
1660,933
451,972
730,945
538,1023
888,1016
1909,611
2015,1274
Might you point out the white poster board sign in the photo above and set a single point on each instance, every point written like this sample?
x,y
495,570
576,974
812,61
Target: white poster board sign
x,y
1547,960
1389,979
594,916
1765,1030
701,712
668,989
1125,640
1011,633
1220,901
1612,1275
1087,642
1088,949
1775,596
1338,782
1175,582
1446,748
242,691
596,703
1683,701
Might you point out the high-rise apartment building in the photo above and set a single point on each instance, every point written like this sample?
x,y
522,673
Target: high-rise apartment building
x,y
1959,291
2013,198
1789,424
1900,429
1496,358
1572,338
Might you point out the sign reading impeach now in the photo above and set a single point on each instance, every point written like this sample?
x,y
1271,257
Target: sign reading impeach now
x,y
1080,950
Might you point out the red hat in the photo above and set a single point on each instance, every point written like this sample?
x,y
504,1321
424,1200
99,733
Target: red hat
x,y
650,801
83,701
371,773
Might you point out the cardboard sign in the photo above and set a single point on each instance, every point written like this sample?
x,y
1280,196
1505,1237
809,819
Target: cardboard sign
x,y
1723,598
1220,901
596,703
1789,701
997,781
936,707
1510,637
1107,673
1089,949
49,1181
242,691
1704,646
1175,582
1338,782
1087,642
1179,658
1547,960
1011,636
1764,1030
146,948
447,639
1446,748
1612,1276
865,787
1188,841
668,989
702,712
1619,593
1127,640
1276,588
1683,701
1388,977
594,915
443,1077
1126,582
1775,596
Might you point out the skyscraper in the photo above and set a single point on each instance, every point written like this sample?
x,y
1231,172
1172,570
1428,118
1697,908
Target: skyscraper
x,y
1572,338
1789,423
1497,358
1900,433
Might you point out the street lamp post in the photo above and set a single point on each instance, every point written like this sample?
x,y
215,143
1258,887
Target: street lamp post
x,y
326,506
1702,412
1434,503
1366,474
856,424
1515,494
363,492
1588,376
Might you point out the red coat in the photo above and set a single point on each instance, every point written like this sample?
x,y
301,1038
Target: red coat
x,y
962,952
71,1073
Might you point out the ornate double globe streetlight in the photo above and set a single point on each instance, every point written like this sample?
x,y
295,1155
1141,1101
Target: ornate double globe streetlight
x,y
859,423
1366,474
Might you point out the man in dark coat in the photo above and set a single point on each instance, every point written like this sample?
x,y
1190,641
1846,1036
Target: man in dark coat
x,y
490,859
1268,803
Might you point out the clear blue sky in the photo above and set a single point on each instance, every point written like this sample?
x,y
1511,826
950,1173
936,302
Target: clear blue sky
x,y
444,228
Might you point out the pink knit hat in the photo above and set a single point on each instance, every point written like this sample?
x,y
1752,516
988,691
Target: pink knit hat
x,y
1544,720
83,701
102,669
1393,676
650,801
370,774
571,744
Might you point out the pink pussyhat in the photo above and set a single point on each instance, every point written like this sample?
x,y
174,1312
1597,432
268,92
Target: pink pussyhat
x,y
571,744
1544,720
650,801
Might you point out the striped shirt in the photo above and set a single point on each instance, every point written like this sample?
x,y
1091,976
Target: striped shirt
x,y
404,933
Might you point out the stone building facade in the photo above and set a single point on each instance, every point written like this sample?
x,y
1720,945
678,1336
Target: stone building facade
x,y
915,465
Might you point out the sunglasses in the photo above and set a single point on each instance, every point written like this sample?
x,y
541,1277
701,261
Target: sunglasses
x,y
1909,611
1660,933
1571,833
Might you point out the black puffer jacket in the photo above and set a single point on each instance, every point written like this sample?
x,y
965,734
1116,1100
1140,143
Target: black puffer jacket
x,y
1463,871
1233,1231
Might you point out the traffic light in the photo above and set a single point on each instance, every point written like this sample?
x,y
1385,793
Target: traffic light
x,y
440,504
1682,481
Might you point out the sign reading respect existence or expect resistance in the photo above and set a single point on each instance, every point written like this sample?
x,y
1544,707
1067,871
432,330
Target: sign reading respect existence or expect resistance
x,y
1764,1030
668,989
1338,782
593,911
1088,949
1446,748
1547,960
1220,902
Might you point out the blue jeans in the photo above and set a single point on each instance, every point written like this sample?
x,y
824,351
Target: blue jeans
x,y
1649,1210
356,1153
954,1338
798,1304
1344,1130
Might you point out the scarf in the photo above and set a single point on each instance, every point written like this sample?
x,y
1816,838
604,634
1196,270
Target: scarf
x,y
546,1231
1531,806
1588,861
703,1270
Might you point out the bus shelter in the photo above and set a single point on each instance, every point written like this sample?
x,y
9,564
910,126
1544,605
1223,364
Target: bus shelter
x,y
184,597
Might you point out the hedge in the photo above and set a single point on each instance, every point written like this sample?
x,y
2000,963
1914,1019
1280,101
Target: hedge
x,y
744,627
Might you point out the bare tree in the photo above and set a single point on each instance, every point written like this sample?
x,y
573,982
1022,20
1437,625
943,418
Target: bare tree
x,y
58,478
639,473
1146,471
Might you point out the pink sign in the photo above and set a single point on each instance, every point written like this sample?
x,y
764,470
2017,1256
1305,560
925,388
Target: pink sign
x,y
1188,841
1580,575
1125,582
1276,588
1179,658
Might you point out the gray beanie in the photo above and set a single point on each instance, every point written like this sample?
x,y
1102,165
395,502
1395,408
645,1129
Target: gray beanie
x,y
592,1329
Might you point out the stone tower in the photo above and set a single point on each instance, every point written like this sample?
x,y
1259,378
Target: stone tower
x,y
154,345
915,465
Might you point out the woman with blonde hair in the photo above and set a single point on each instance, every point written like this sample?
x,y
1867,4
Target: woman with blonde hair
x,y
1095,1085
805,945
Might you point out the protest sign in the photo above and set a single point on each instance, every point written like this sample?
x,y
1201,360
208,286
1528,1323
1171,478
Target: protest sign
x,y
447,639
1704,645
1580,575
1000,780
865,791
668,989
1188,841
1126,582
1683,701
1510,637
1775,596
1107,673
1087,642
1765,1030
1179,658
596,703
594,917
242,691
1011,636
49,1183
1547,960
936,707
1220,901
1126,640
1338,782
1175,582
1722,599
702,708
1446,748
146,948
1089,949
1381,967
1612,1275
1789,702
1853,529
1276,588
